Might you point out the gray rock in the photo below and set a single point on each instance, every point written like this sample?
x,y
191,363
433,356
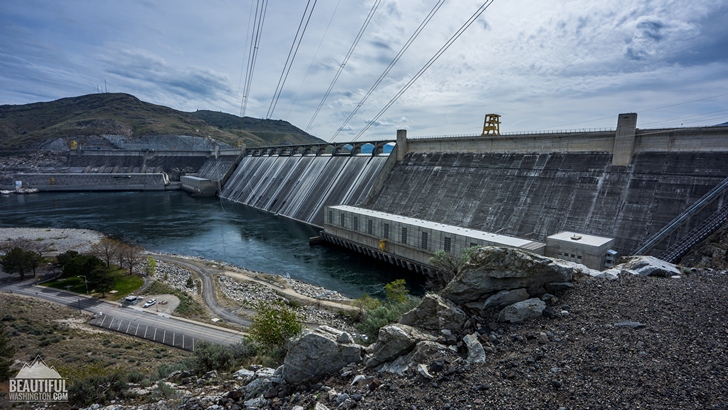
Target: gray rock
x,y
435,313
244,375
320,406
318,353
395,340
630,324
648,266
257,387
424,352
257,403
519,312
345,338
492,269
476,353
210,375
422,370
505,298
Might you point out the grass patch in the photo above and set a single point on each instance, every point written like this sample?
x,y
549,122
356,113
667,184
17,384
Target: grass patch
x,y
125,284
74,284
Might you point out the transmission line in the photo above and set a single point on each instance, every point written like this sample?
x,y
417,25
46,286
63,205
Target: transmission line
x,y
260,10
437,55
346,59
310,65
391,64
291,56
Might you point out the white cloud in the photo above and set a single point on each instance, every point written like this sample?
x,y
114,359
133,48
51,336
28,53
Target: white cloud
x,y
537,63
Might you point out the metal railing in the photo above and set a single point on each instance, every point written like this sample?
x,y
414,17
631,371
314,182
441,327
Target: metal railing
x,y
682,218
517,133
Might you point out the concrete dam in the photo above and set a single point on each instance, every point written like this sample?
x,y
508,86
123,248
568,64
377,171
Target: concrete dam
x,y
650,191
628,184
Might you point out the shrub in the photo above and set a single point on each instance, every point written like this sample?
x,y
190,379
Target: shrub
x,y
209,356
448,266
383,315
274,324
97,390
165,369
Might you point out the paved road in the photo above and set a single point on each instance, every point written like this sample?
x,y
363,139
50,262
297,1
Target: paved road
x,y
208,290
134,321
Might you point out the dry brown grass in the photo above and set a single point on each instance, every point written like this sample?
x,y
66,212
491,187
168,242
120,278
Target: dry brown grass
x,y
77,350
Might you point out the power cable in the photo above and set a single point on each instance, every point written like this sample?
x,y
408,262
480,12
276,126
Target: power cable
x,y
346,59
432,60
291,57
310,65
260,11
391,64
243,64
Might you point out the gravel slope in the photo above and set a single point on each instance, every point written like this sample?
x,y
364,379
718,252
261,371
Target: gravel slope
x,y
678,360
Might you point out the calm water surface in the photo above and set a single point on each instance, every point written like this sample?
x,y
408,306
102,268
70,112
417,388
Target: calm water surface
x,y
174,222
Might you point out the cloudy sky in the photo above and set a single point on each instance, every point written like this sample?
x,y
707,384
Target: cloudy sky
x,y
541,64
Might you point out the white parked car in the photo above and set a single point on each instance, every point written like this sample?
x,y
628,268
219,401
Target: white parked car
x,y
150,303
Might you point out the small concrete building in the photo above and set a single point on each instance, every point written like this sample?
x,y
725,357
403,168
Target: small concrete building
x,y
198,186
589,250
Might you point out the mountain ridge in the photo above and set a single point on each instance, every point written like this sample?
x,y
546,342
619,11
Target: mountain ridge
x,y
35,125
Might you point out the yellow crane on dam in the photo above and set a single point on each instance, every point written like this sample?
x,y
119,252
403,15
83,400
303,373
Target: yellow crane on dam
x,y
491,125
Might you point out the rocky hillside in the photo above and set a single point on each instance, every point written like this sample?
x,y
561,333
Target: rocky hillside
x,y
643,335
37,125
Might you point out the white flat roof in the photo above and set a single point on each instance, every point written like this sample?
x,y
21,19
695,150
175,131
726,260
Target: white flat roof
x,y
456,230
591,240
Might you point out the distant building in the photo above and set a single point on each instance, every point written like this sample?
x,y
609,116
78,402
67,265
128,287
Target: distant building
x,y
593,251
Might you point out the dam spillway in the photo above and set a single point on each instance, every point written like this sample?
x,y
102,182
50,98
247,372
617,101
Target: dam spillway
x,y
299,186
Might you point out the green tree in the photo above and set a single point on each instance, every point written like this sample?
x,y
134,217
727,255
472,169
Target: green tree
x,y
82,265
102,280
397,290
7,351
151,268
273,324
18,260
65,257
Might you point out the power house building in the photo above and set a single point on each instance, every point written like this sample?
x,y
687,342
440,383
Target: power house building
x,y
411,242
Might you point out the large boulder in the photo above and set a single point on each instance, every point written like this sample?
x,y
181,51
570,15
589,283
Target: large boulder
x,y
435,313
519,312
319,353
395,340
493,269
647,266
424,353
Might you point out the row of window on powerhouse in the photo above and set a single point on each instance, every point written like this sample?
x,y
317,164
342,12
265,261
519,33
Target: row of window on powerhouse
x,y
422,242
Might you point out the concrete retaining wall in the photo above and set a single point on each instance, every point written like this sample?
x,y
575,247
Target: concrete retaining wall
x,y
94,182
